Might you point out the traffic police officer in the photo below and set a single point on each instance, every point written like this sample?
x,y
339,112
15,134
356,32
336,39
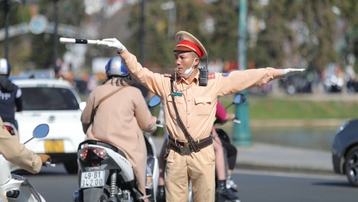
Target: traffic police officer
x,y
196,107
18,154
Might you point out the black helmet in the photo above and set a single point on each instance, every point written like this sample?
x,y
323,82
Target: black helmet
x,y
5,67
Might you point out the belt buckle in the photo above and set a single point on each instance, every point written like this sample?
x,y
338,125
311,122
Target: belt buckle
x,y
184,150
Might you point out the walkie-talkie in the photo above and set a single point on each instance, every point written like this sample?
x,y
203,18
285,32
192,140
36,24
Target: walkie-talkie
x,y
203,76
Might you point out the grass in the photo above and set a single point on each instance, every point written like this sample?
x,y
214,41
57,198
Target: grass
x,y
273,108
270,108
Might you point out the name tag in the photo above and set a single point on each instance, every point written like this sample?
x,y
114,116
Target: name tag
x,y
178,94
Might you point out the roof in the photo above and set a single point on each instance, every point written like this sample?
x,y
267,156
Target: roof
x,y
42,82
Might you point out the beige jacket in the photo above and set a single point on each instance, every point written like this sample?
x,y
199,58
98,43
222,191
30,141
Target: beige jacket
x,y
17,153
119,120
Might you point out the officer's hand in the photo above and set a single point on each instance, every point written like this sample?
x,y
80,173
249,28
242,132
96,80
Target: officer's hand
x,y
44,158
291,71
115,44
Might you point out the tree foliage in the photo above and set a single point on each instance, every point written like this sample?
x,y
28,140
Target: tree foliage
x,y
284,33
69,12
158,45
295,31
31,51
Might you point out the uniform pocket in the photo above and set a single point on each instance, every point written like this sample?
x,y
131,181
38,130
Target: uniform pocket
x,y
170,105
203,104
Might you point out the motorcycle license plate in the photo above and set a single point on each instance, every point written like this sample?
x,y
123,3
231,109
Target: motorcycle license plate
x,y
54,146
92,179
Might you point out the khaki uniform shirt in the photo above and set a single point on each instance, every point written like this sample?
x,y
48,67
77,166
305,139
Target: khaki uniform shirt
x,y
17,153
196,104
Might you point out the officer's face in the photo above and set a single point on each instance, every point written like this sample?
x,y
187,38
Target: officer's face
x,y
185,60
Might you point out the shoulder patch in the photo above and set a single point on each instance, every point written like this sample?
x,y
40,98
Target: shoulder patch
x,y
225,74
168,75
211,75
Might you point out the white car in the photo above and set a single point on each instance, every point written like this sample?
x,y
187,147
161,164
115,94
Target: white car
x,y
56,103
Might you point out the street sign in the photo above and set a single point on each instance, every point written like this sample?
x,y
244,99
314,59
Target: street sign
x,y
38,24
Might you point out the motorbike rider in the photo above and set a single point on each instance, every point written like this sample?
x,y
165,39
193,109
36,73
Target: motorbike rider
x,y
18,154
120,118
222,192
194,160
231,152
10,95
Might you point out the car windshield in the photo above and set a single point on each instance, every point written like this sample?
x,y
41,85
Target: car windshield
x,y
39,98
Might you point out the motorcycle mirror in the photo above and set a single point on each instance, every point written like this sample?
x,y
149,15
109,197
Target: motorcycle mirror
x,y
154,101
239,99
40,131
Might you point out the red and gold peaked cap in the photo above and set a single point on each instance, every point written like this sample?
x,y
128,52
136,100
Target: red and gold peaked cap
x,y
187,42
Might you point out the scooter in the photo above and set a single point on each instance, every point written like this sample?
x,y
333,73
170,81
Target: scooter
x,y
18,188
107,176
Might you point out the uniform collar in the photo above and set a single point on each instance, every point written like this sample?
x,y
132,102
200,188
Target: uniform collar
x,y
193,78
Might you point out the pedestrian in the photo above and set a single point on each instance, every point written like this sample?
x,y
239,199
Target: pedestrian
x,y
120,117
10,95
190,110
18,154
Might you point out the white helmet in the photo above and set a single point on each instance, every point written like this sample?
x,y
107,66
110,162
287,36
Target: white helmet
x,y
116,67
5,67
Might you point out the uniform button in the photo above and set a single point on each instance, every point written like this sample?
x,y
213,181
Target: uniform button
x,y
188,113
188,100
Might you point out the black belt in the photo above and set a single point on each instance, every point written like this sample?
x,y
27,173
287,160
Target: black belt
x,y
183,148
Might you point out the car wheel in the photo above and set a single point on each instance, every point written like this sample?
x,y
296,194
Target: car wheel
x,y
351,166
71,167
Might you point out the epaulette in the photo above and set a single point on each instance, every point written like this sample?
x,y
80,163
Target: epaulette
x,y
168,75
211,75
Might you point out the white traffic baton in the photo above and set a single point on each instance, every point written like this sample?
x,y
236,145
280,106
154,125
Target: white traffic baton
x,y
82,41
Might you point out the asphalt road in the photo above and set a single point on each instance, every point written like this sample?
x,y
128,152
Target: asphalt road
x,y
254,186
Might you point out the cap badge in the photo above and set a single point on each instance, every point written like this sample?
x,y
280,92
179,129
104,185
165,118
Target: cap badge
x,y
180,38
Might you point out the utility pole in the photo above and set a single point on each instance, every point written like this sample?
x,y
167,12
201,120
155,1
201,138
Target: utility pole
x,y
142,47
241,132
142,33
55,41
7,16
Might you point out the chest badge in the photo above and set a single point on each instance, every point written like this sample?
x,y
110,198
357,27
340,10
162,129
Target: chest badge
x,y
177,94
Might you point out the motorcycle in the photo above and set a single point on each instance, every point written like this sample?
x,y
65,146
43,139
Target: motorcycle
x,y
16,187
107,176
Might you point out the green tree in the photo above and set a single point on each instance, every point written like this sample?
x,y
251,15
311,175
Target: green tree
x,y
69,12
158,45
347,14
224,40
18,13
